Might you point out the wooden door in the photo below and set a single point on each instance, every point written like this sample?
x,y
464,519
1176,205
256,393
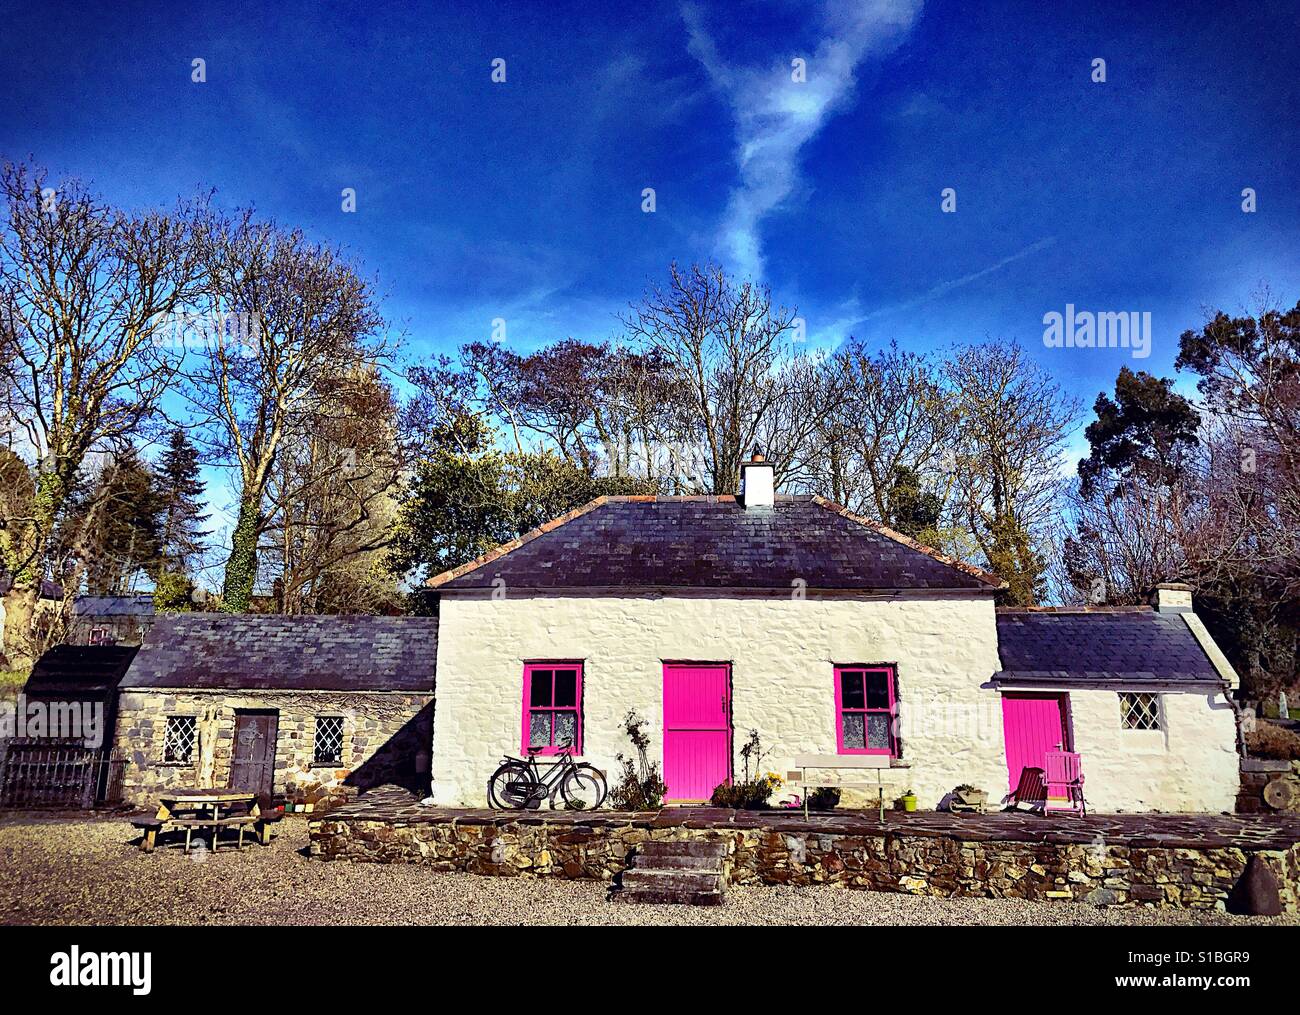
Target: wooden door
x,y
252,762
697,729
1032,724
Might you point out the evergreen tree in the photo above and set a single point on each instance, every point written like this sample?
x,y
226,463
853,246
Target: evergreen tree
x,y
180,492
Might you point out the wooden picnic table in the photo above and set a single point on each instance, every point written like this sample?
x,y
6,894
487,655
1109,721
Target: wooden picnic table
x,y
201,807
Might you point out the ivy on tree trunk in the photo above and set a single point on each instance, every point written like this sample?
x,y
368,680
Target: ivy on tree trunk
x,y
241,565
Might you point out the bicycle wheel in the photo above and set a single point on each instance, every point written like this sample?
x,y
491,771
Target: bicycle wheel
x,y
511,786
584,788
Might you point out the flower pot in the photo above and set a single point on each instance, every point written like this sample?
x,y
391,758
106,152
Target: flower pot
x,y
909,803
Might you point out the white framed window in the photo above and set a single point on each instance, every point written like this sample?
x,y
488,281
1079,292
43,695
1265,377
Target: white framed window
x,y
180,738
1139,710
328,748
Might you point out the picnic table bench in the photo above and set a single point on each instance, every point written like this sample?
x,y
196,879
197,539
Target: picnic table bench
x,y
878,763
192,809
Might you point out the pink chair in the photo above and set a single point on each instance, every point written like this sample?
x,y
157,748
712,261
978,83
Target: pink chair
x,y
1065,783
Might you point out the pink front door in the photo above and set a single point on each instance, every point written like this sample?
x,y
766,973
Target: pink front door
x,y
697,729
1032,724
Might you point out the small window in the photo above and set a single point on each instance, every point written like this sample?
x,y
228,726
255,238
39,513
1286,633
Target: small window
x,y
865,697
179,739
1138,711
99,636
329,740
552,708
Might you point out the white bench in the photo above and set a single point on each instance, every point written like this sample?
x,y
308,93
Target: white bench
x,y
878,763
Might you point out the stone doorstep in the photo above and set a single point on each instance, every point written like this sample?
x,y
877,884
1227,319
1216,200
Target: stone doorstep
x,y
675,861
672,880
681,848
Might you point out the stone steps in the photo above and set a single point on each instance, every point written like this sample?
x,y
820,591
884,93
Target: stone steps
x,y
682,873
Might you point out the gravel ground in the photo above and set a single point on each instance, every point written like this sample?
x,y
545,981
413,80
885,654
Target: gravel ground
x,y
58,871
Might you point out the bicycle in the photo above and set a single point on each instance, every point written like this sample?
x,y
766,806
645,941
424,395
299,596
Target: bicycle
x,y
519,783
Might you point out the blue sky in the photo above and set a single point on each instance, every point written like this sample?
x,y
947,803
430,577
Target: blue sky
x,y
522,200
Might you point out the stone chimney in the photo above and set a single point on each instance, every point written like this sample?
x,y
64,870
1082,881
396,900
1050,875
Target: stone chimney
x,y
1172,597
757,482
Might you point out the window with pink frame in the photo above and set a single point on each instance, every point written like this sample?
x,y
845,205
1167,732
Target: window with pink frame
x,y
552,722
865,700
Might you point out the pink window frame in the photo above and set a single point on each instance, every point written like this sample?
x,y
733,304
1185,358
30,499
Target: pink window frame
x,y
566,664
891,681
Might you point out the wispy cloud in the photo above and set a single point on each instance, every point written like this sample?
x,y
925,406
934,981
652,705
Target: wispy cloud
x,y
776,116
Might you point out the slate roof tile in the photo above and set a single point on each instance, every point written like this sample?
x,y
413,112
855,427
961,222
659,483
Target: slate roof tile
x,y
274,652
1122,646
714,542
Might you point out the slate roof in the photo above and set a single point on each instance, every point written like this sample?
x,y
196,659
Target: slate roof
x,y
714,542
275,652
1132,646
113,606
49,589
74,670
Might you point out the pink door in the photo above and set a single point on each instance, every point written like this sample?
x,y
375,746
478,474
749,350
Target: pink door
x,y
697,729
1032,724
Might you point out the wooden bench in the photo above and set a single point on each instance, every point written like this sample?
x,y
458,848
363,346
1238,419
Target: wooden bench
x,y
149,829
878,763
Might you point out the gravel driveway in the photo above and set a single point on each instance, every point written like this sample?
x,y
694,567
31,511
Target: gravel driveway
x,y
58,871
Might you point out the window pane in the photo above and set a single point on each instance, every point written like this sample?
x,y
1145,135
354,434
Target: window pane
x,y
540,694
853,736
878,730
566,729
877,689
566,688
851,689
539,729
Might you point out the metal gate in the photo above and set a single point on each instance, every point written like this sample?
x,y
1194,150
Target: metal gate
x,y
50,774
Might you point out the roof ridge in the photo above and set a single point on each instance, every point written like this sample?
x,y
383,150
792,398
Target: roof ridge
x,y
527,537
880,528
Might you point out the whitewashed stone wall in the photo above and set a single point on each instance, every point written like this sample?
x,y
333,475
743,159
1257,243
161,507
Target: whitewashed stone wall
x,y
782,652
1190,765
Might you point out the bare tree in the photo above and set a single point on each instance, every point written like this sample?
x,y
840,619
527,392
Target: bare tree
x,y
889,413
283,315
331,503
1014,422
730,347
86,296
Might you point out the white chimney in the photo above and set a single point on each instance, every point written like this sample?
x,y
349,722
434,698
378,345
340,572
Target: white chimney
x,y
757,482
1172,597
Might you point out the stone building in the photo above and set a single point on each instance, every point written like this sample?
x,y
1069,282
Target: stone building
x,y
826,634
309,709
110,620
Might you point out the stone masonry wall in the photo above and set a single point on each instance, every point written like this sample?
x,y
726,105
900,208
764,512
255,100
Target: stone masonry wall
x,y
1108,875
386,738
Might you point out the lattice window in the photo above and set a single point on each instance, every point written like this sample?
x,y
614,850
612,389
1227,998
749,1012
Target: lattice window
x,y
180,739
1138,711
329,739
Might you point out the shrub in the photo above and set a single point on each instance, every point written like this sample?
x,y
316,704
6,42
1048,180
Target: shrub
x,y
1275,742
640,786
746,796
824,798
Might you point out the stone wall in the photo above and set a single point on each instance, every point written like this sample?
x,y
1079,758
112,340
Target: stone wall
x,y
782,652
1100,874
386,737
1256,774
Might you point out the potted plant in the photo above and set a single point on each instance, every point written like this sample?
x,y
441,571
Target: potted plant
x,y
909,801
967,796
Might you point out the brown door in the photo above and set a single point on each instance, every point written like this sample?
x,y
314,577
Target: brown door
x,y
252,763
